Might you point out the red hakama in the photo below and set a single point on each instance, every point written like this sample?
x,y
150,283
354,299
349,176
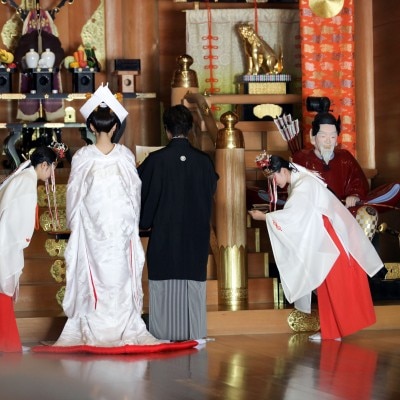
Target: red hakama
x,y
10,341
344,298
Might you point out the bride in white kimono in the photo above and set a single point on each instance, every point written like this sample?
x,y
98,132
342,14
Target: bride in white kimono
x,y
104,255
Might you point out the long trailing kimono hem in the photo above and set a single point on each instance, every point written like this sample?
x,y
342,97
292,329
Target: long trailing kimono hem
x,y
104,256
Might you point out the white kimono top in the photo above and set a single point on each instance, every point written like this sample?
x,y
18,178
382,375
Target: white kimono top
x,y
18,200
104,255
304,251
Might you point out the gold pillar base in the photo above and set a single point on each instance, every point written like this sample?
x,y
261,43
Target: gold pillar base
x,y
232,277
302,322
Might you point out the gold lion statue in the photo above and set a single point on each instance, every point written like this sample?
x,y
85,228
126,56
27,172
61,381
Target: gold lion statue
x,y
261,58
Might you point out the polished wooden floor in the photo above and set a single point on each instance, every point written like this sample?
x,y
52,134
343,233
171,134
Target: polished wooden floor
x,y
235,367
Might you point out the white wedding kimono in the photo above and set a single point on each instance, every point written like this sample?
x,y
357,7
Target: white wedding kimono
x,y
104,255
304,251
18,200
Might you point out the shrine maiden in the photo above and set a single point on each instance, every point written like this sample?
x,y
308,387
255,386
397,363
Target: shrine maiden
x,y
318,244
18,204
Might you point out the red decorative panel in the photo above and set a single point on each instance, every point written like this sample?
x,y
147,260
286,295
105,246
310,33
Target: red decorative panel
x,y
327,46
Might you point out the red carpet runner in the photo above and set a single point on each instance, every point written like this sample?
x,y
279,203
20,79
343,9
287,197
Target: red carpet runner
x,y
127,349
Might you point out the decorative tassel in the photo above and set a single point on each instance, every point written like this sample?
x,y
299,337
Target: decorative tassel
x,y
54,216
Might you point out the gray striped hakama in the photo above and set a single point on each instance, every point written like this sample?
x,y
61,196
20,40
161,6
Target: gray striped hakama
x,y
177,309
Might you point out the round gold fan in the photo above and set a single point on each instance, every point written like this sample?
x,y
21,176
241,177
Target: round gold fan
x,y
326,8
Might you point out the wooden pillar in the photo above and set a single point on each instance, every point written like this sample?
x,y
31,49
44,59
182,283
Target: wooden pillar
x,y
132,32
231,214
364,81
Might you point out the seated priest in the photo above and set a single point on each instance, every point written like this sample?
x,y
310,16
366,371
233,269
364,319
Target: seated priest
x,y
340,170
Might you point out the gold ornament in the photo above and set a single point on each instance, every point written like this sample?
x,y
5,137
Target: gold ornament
x,y
61,194
259,55
93,32
232,277
47,222
229,137
326,8
367,217
55,248
184,76
302,322
60,295
57,271
393,271
12,32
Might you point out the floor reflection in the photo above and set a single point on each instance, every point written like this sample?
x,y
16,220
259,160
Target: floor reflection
x,y
241,367
347,370
333,370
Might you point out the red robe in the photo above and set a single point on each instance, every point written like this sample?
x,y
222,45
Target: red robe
x,y
345,177
343,174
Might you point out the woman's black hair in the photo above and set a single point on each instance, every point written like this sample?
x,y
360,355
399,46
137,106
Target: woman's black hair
x,y
43,154
276,163
103,119
178,120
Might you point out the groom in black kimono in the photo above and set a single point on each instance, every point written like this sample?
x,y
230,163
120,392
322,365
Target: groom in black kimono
x,y
178,185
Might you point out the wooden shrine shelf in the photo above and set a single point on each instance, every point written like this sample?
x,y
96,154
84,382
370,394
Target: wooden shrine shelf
x,y
184,5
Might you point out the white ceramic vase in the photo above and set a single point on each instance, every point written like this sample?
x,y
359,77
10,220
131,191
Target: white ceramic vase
x,y
31,59
49,57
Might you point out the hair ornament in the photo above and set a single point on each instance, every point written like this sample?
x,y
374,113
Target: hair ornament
x,y
263,162
60,149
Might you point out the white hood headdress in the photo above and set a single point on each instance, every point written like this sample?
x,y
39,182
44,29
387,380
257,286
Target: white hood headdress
x,y
103,95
